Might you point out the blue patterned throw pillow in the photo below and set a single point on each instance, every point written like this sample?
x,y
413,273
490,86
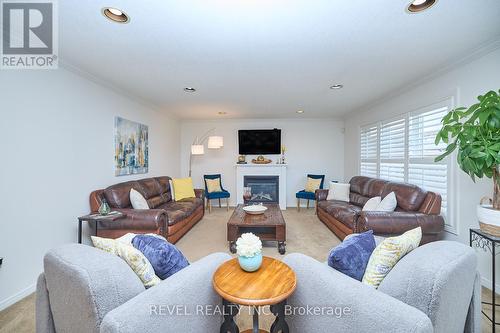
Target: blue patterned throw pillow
x,y
165,258
352,255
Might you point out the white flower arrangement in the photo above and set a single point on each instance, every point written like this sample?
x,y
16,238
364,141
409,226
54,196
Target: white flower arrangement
x,y
248,245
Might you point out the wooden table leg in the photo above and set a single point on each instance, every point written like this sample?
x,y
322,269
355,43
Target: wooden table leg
x,y
279,324
230,310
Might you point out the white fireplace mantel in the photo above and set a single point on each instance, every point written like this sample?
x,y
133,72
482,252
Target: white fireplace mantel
x,y
270,169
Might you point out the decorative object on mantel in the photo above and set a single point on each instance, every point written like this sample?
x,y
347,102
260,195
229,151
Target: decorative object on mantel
x,y
283,150
242,159
261,160
475,132
197,148
255,209
249,249
131,147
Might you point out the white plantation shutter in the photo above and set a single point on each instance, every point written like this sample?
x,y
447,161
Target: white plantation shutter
x,y
403,150
392,150
369,151
422,170
392,140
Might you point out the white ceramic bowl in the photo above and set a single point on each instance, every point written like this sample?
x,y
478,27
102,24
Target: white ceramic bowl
x,y
255,209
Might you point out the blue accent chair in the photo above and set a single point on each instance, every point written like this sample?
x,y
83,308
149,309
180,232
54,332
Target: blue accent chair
x,y
215,195
309,195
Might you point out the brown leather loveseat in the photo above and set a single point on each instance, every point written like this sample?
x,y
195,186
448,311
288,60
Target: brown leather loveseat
x,y
171,219
416,207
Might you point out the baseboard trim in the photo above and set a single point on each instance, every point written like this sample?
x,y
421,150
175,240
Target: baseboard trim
x,y
485,282
17,297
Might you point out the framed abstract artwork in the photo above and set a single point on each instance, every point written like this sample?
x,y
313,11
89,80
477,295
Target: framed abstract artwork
x,y
131,147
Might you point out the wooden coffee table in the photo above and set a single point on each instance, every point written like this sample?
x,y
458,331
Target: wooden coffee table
x,y
270,285
269,226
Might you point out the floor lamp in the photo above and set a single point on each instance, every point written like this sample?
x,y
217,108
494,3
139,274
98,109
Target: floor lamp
x,y
197,148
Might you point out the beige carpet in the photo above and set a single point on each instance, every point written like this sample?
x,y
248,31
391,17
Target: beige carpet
x,y
305,234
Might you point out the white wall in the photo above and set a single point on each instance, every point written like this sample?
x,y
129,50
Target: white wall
x,y
313,146
57,146
466,83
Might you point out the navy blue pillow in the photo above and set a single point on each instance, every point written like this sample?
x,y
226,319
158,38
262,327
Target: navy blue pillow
x,y
352,255
165,258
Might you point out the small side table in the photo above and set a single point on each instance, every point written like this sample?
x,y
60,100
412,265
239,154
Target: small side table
x,y
112,216
487,242
271,285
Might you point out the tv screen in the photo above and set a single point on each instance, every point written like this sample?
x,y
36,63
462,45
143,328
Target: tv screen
x,y
259,142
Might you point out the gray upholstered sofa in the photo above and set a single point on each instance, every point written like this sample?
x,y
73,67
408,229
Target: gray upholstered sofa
x,y
86,290
435,288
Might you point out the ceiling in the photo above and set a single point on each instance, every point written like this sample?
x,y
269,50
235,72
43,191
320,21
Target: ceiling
x,y
269,58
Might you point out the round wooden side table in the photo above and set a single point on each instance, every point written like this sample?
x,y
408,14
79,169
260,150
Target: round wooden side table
x,y
271,285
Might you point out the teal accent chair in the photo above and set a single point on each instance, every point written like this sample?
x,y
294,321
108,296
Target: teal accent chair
x,y
303,194
215,195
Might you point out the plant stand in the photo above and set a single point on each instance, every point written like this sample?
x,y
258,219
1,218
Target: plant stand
x,y
484,241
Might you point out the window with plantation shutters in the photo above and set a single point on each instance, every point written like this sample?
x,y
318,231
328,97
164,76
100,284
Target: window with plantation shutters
x,y
369,153
402,149
392,150
422,170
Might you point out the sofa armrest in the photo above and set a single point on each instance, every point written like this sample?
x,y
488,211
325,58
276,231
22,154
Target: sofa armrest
x,y
43,314
391,223
146,219
356,307
199,193
321,195
185,302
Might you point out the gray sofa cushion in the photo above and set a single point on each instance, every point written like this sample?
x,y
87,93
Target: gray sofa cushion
x,y
99,283
438,279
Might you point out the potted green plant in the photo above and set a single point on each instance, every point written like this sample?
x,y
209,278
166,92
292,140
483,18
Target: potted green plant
x,y
475,133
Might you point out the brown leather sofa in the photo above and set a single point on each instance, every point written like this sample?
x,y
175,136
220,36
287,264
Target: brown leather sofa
x,y
416,207
171,219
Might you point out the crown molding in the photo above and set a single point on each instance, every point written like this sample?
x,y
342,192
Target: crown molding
x,y
477,53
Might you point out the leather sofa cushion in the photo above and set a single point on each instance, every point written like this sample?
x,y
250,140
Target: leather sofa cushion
x,y
342,211
150,187
179,210
156,191
357,199
118,195
410,197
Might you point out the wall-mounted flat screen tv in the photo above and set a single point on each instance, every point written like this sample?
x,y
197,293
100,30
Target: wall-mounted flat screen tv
x,y
259,142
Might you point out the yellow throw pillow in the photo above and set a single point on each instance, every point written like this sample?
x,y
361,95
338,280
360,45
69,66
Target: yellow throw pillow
x,y
133,257
213,185
183,188
387,254
312,184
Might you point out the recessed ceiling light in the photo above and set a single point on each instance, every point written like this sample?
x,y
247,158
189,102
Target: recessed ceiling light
x,y
115,15
189,89
420,5
222,113
337,86
300,111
